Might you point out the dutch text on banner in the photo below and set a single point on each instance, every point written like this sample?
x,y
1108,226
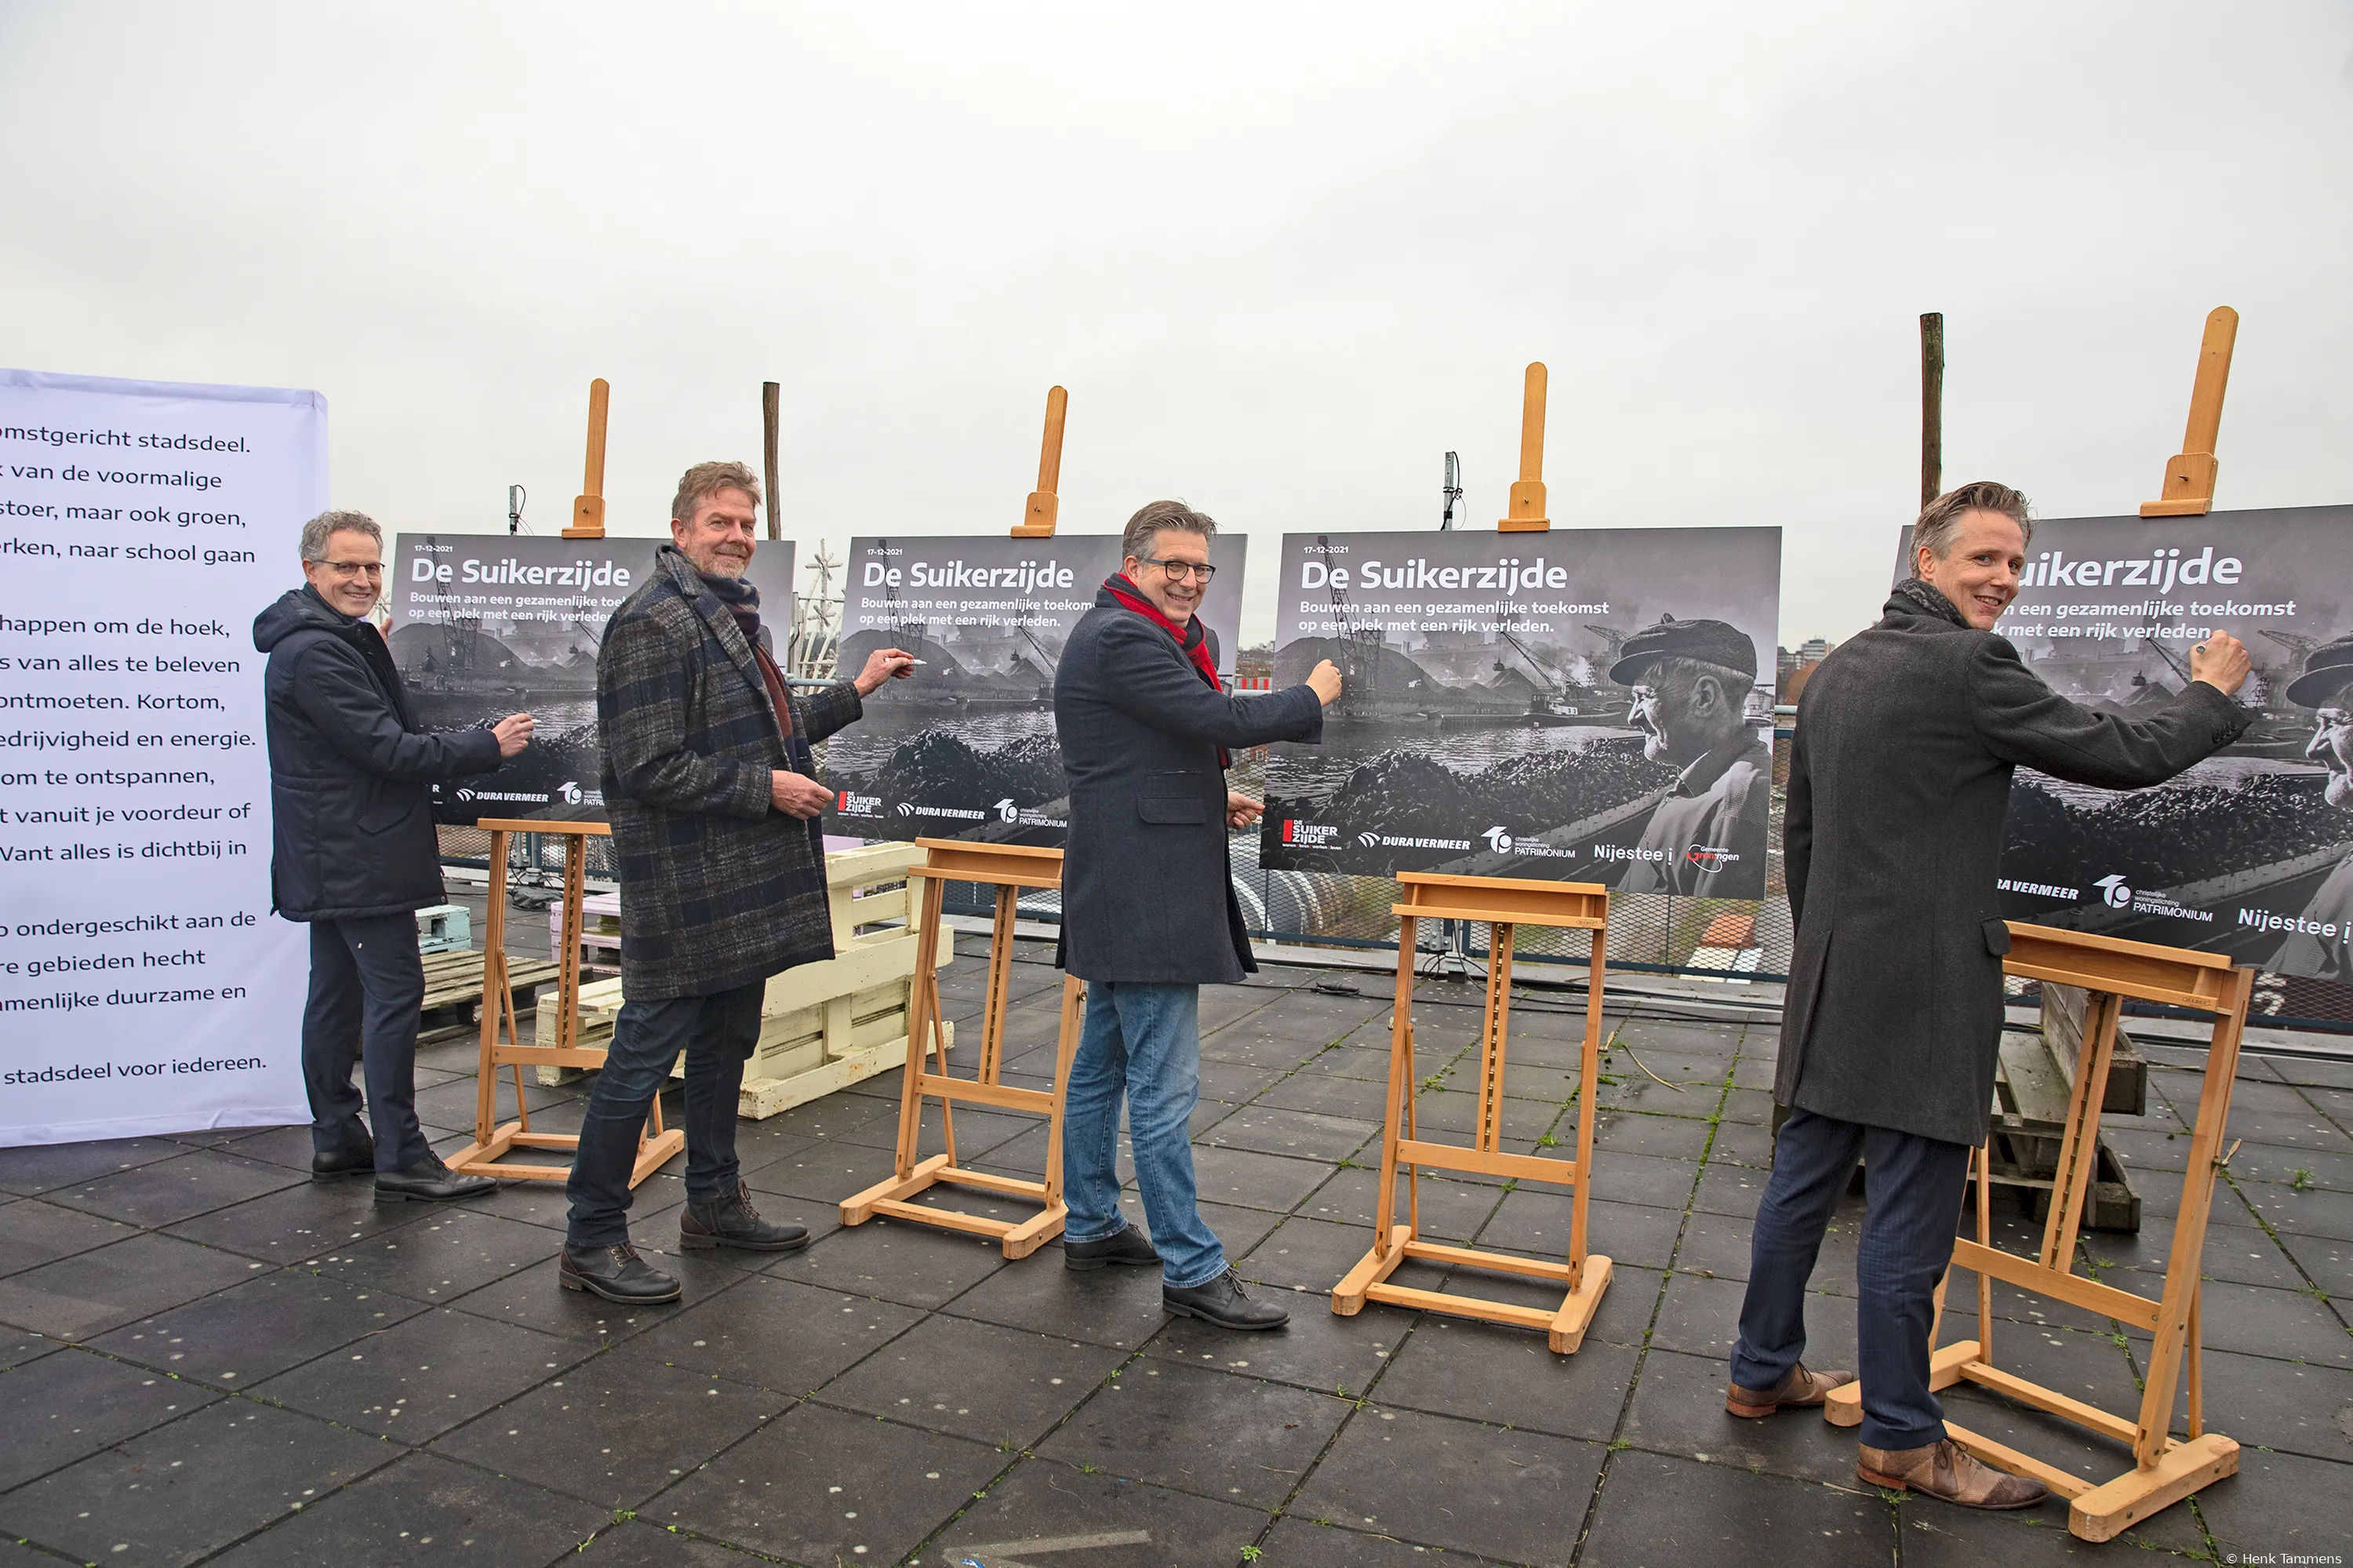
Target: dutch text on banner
x,y
1589,704
144,985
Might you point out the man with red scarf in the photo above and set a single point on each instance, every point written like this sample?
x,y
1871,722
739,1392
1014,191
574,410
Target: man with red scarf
x,y
1148,909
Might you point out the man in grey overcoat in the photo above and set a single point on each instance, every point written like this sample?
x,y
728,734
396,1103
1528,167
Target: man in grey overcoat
x,y
1148,909
1899,784
712,790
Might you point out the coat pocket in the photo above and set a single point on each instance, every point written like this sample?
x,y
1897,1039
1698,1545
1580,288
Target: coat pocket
x,y
1173,811
1996,937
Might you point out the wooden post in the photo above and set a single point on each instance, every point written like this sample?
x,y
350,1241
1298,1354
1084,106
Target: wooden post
x,y
1527,514
1932,406
1502,903
2165,1468
1007,868
501,1037
589,507
2189,478
771,399
1044,505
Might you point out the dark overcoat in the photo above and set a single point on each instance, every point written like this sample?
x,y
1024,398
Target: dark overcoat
x,y
1147,891
1899,785
351,774
718,887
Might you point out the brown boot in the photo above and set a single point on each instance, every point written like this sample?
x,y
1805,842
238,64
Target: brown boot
x,y
1800,1389
1948,1471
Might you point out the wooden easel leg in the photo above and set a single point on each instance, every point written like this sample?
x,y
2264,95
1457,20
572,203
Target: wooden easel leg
x,y
2079,1145
1495,1029
1588,1082
1066,1051
1389,1238
923,1024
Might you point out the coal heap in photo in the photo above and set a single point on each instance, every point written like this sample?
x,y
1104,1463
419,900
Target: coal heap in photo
x,y
2177,835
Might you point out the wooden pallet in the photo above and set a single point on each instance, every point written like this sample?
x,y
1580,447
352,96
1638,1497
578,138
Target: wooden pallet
x,y
823,1026
454,979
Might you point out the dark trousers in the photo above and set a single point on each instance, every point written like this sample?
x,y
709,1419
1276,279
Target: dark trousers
x,y
1913,1187
367,984
718,1034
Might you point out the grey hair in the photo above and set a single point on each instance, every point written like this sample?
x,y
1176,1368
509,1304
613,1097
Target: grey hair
x,y
316,531
1677,676
1136,539
1940,521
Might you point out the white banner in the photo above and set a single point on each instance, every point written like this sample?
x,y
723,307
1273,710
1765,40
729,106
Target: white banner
x,y
144,985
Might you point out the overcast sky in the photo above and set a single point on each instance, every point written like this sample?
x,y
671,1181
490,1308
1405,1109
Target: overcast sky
x,y
1284,257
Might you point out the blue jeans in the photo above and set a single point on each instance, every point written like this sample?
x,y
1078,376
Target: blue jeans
x,y
1144,1041
1914,1185
367,982
718,1034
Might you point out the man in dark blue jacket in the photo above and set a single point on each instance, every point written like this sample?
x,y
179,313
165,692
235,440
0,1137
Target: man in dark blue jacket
x,y
354,853
1148,909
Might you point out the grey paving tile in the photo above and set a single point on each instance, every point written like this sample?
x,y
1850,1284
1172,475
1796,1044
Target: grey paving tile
x,y
440,1257
75,1297
1450,1210
1116,1307
531,1298
419,1378
1679,1409
2289,1325
1247,1179
919,1265
299,1221
66,1407
184,1490
1537,1223
1304,1135
45,1167
195,1182
982,1381
1210,1433
633,1544
2291,1406
613,1430
774,1333
2328,1263
2287,1503
1644,1178
17,1348
1316,1087
1509,1377
421,1506
1661,1512
2314,1212
1303,1253
1317,1350
1700,1317
252,1330
1043,1504
1301,1543
33,1233
1437,1481
826,1170
821,1486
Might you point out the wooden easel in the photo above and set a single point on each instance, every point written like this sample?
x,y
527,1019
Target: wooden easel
x,y
1007,868
1037,517
2189,489
2165,1468
1502,904
588,506
501,1037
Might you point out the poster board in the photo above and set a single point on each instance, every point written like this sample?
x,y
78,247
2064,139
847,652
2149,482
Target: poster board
x,y
144,985
1481,730
2250,852
966,747
484,625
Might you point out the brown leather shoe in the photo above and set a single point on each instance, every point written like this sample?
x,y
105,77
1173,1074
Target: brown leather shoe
x,y
1948,1471
1801,1389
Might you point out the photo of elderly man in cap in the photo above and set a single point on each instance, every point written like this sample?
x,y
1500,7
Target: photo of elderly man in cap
x,y
1692,680
2327,686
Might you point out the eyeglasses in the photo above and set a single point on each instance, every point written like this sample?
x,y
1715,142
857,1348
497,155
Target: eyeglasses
x,y
1178,571
349,569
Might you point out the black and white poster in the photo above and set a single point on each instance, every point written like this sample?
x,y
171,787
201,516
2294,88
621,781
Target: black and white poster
x,y
2250,852
965,746
1586,704
488,625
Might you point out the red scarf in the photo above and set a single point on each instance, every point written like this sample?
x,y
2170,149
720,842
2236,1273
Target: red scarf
x,y
1190,638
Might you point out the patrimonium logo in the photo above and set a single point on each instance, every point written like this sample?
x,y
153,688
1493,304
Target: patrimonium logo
x,y
1498,839
1007,811
2117,890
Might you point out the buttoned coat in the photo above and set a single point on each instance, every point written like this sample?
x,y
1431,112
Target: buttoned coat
x,y
351,771
1899,787
718,887
1148,888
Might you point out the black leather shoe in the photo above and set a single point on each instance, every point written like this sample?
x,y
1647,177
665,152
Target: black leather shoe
x,y
615,1273
428,1180
359,1162
1131,1246
1225,1304
733,1222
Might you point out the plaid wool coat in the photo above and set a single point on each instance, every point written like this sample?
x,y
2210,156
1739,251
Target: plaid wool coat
x,y
718,887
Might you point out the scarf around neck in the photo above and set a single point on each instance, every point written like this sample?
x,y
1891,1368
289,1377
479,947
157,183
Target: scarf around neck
x,y
1191,639
1931,599
742,599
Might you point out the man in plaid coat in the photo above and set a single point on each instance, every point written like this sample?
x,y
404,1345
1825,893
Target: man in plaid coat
x,y
713,790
